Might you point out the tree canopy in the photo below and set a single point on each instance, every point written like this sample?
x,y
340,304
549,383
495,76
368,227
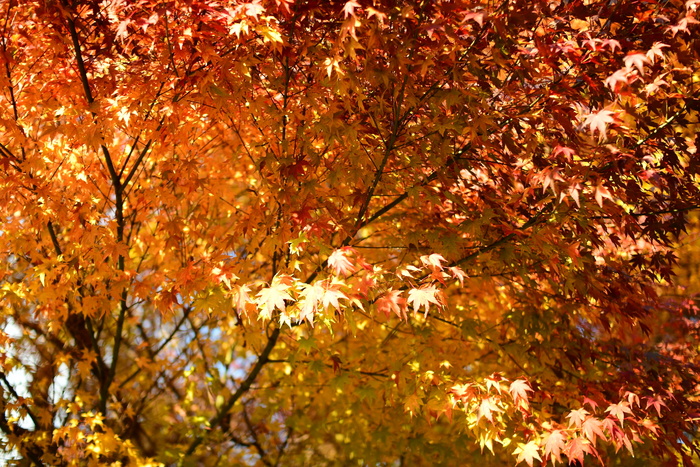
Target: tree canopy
x,y
371,232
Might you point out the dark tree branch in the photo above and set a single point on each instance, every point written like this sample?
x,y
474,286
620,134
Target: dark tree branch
x,y
32,452
233,399
17,397
256,443
107,379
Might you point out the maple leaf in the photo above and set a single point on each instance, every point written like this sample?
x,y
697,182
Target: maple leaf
x,y
598,122
476,16
566,151
577,448
602,193
657,403
486,441
254,9
392,301
274,297
296,246
309,298
406,272
332,64
621,439
486,409
494,382
243,302
271,34
651,426
573,191
619,411
340,263
433,261
285,4
636,60
620,76
423,297
576,417
123,29
464,392
591,403
528,452
458,273
549,175
610,426
224,277
554,443
364,285
380,16
612,44
651,88
656,51
591,43
592,429
331,295
519,389
412,404
349,8
682,25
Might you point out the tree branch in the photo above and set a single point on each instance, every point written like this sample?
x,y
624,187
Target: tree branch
x,y
255,443
119,214
162,345
33,452
16,396
242,389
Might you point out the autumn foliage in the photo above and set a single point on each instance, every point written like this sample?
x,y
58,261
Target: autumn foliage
x,y
365,232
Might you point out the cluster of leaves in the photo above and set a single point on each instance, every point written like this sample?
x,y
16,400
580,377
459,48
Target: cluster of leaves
x,y
337,232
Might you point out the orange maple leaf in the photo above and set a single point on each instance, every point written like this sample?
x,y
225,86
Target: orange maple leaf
x,y
392,301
